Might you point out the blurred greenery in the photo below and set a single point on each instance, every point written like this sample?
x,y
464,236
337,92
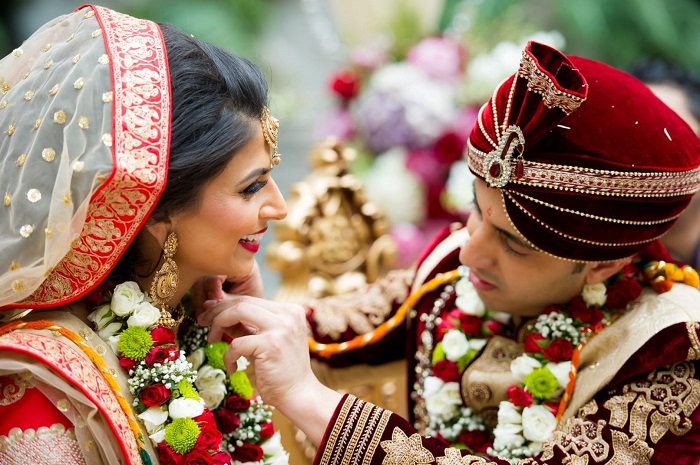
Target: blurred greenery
x,y
617,32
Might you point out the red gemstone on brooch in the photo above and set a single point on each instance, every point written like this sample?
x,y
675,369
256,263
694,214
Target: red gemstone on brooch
x,y
495,170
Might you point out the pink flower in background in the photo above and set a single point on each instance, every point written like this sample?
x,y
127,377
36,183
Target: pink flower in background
x,y
440,57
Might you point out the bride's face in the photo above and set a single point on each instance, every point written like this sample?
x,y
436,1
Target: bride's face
x,y
222,233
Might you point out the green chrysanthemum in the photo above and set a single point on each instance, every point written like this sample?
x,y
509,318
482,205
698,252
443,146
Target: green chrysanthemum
x,y
182,434
187,390
438,353
240,384
541,383
215,354
135,342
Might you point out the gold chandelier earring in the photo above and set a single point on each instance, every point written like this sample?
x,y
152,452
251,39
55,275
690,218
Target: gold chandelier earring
x,y
164,285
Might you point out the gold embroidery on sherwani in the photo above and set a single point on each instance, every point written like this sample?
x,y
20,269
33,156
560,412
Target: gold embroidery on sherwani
x,y
628,450
454,457
591,408
694,350
402,450
581,437
38,447
666,398
619,408
13,387
361,310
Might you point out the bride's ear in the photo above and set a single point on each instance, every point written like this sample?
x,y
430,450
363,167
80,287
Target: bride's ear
x,y
159,230
601,271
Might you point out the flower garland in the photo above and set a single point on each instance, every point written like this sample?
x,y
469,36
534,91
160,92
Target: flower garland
x,y
545,372
173,397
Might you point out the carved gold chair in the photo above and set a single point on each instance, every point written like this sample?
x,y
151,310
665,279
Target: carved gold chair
x,y
333,241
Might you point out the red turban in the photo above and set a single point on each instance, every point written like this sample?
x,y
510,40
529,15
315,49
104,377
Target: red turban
x,y
592,166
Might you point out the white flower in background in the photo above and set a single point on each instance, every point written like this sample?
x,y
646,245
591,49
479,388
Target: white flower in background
x,y
459,187
440,57
507,436
468,301
508,413
158,436
109,330
196,358
523,366
185,408
242,363
477,344
442,400
274,451
594,294
538,423
145,315
126,298
211,385
113,342
153,418
561,372
102,316
455,345
397,191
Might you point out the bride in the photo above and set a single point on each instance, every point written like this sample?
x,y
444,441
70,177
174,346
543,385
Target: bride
x,y
135,160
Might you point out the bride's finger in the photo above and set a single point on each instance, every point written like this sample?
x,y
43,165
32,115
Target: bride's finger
x,y
247,314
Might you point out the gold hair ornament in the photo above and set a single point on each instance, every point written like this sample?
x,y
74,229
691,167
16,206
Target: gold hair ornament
x,y
164,285
270,127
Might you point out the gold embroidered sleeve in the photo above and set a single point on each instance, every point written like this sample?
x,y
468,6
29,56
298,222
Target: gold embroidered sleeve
x,y
362,310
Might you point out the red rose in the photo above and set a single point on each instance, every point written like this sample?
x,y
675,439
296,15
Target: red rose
x,y
247,453
553,407
221,458
552,309
154,395
579,310
449,147
494,327
237,403
519,396
470,324
226,420
206,417
162,336
209,439
167,456
346,84
447,323
160,355
559,350
477,441
268,429
621,293
532,343
446,371
199,457
127,363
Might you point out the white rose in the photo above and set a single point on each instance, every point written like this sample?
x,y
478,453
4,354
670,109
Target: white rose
x,y
274,451
127,296
196,358
101,316
242,363
538,423
508,413
455,345
444,404
158,436
185,408
145,315
561,372
468,301
594,294
509,435
211,384
523,366
113,342
431,386
153,418
109,330
477,344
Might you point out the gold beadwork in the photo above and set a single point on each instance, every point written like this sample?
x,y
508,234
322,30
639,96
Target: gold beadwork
x,y
165,282
21,159
11,129
48,154
7,201
60,117
270,126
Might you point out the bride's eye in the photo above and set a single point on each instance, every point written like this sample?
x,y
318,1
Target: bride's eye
x,y
253,188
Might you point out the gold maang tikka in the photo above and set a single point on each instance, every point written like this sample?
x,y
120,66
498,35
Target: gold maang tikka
x,y
164,285
270,127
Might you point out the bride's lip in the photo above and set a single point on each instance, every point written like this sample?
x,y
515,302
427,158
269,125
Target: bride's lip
x,y
479,283
253,244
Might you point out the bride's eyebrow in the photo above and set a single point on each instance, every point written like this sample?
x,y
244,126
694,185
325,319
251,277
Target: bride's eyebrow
x,y
254,174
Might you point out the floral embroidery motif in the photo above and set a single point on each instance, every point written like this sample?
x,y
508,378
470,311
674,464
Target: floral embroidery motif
x,y
404,450
628,450
32,446
694,350
13,387
454,457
